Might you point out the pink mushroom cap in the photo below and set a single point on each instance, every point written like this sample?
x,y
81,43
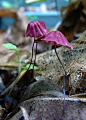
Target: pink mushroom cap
x,y
55,38
36,29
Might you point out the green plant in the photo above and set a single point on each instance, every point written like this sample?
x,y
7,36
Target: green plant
x,y
20,68
13,47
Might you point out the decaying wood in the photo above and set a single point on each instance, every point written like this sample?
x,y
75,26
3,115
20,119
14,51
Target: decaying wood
x,y
74,19
8,12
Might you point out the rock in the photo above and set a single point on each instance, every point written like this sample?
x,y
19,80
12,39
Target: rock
x,y
73,60
43,88
51,109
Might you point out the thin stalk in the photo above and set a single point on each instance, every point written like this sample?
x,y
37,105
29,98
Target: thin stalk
x,y
31,56
63,79
35,56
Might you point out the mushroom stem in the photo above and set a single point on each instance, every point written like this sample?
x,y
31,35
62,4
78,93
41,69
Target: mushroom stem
x,y
32,56
63,79
35,54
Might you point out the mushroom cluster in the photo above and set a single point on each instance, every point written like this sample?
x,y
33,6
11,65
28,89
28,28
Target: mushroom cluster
x,y
38,30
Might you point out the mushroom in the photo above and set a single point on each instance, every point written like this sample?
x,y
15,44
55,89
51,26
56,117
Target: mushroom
x,y
36,29
56,38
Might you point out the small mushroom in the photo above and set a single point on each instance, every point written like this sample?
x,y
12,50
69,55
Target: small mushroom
x,y
56,38
36,29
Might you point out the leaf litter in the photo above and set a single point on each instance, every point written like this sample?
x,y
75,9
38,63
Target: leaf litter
x,y
75,64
